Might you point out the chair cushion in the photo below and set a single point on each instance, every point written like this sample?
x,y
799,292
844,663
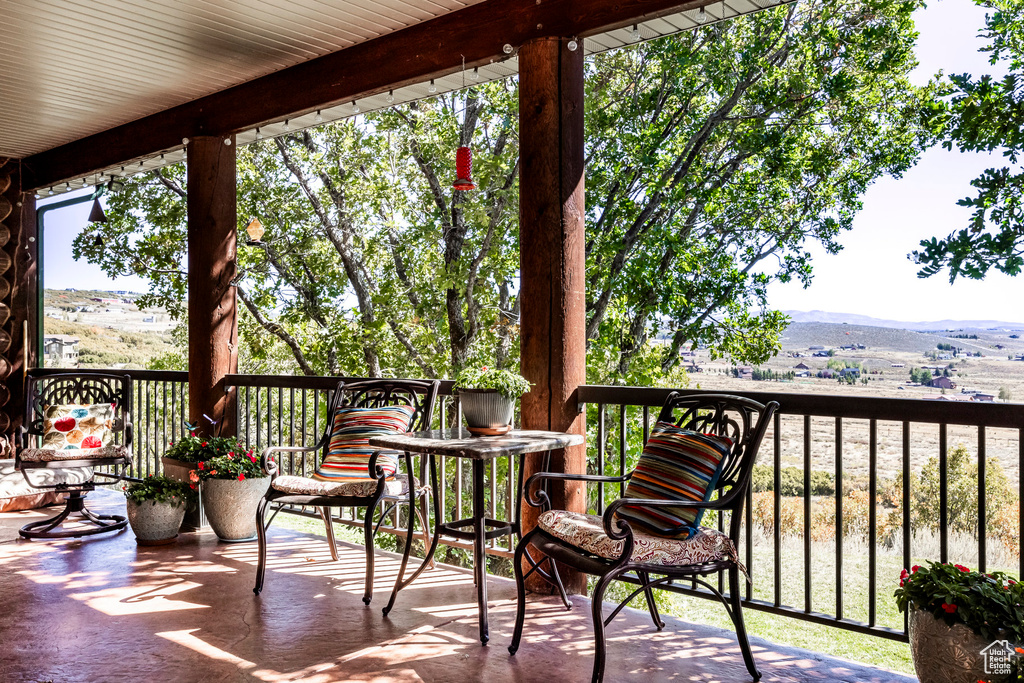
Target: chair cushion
x,y
304,486
51,455
77,427
586,532
676,464
349,452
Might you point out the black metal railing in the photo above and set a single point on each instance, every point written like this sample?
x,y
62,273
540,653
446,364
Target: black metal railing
x,y
291,411
787,577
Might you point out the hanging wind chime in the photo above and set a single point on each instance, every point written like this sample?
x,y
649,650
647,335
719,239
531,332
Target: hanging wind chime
x,y
464,156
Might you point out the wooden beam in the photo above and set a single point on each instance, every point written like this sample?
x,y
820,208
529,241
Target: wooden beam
x,y
212,307
553,264
428,50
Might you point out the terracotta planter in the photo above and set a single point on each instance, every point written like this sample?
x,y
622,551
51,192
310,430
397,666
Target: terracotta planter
x,y
947,654
195,518
487,412
230,506
155,523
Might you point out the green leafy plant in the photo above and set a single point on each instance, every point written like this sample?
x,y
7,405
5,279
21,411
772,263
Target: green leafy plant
x,y
159,489
991,605
240,465
194,449
506,382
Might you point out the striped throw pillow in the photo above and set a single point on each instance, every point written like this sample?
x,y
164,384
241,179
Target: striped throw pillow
x,y
676,464
349,452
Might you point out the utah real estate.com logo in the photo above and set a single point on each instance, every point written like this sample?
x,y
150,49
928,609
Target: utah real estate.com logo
x,y
999,658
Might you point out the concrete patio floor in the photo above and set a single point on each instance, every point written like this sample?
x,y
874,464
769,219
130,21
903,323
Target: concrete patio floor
x,y
105,609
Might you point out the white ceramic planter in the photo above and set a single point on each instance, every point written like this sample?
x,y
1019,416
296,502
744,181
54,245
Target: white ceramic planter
x,y
155,523
230,506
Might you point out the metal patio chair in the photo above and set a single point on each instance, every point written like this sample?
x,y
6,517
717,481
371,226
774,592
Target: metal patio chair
x,y
38,464
378,485
612,546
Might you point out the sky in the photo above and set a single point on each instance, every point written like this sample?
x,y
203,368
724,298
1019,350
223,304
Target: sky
x,y
870,276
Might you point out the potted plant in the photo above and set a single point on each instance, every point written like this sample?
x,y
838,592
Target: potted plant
x,y
181,458
488,398
961,621
232,486
156,506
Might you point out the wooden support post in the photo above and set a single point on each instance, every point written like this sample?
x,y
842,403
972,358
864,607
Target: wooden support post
x,y
212,307
19,340
552,263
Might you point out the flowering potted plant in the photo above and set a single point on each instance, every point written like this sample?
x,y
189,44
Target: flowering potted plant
x,y
232,486
182,456
156,507
961,621
488,398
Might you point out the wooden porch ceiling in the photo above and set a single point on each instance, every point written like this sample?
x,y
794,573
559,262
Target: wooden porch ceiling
x,y
92,87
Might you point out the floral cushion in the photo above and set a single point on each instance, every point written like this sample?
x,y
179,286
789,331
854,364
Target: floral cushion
x,y
77,427
348,455
52,455
676,464
304,486
586,532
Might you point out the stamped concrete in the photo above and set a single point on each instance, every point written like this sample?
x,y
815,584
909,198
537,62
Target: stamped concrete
x,y
104,609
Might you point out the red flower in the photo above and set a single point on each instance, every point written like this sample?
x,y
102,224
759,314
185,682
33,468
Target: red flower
x,y
949,608
961,567
253,458
213,472
171,443
904,575
201,465
191,433
241,476
913,570
204,444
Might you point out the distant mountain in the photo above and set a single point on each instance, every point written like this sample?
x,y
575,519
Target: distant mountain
x,y
854,319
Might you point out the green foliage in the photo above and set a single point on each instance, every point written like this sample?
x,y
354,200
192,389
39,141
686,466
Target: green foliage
x,y
193,449
508,383
920,375
985,115
716,154
961,492
160,489
792,481
991,605
238,465
1005,394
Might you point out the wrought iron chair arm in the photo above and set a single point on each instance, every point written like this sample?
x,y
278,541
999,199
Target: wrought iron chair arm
x,y
542,500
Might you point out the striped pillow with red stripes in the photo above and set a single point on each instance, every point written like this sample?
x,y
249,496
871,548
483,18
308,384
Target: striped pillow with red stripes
x,y
349,452
676,464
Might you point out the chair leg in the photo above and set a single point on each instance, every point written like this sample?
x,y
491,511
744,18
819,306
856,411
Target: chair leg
x,y
426,533
517,567
368,541
405,555
736,612
261,540
325,514
651,605
597,607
